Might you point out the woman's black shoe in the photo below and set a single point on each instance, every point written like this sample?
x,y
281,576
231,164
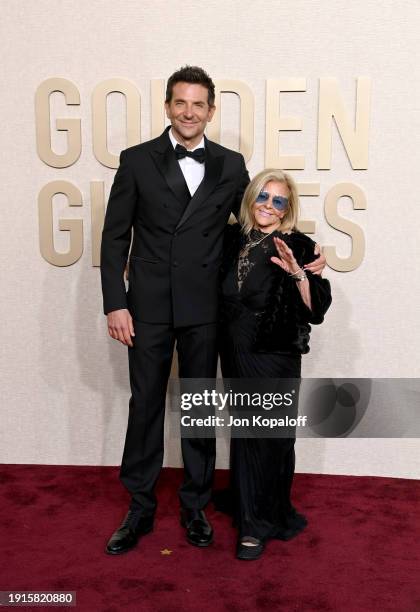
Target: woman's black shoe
x,y
251,551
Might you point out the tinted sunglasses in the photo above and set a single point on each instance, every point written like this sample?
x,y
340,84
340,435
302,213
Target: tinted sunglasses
x,y
278,202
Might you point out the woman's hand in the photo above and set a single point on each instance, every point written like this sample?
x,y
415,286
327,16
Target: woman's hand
x,y
286,259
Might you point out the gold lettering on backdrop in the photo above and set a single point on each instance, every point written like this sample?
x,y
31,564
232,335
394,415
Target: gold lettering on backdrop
x,y
308,189
346,226
99,118
275,123
246,131
157,111
355,140
73,226
69,125
97,216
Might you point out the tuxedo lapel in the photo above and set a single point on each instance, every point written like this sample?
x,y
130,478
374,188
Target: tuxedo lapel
x,y
167,164
213,170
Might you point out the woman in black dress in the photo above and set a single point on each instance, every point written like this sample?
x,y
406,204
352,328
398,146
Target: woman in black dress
x,y
268,301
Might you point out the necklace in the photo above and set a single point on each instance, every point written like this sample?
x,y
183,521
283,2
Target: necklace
x,y
250,244
244,262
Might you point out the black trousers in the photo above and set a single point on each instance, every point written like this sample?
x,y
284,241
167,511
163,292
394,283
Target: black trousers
x,y
149,365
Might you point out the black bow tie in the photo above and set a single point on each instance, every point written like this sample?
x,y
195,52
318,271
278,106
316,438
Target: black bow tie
x,y
199,154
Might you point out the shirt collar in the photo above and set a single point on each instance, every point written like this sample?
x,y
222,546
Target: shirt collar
x,y
174,141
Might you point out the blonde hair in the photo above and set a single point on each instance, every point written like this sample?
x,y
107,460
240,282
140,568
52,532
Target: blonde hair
x,y
246,215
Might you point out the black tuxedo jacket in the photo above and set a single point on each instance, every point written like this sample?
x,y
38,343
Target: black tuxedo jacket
x,y
177,240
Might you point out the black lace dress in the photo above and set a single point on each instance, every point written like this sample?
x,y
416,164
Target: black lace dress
x,y
262,469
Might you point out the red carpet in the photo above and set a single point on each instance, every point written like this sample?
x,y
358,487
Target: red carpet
x,y
359,552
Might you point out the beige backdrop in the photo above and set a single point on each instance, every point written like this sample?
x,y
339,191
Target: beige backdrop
x,y
64,387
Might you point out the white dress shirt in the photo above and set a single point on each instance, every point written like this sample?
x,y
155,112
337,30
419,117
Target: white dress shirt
x,y
192,170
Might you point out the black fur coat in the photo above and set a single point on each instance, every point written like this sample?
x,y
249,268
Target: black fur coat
x,y
284,325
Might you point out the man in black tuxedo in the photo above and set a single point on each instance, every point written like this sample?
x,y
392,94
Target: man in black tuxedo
x,y
175,193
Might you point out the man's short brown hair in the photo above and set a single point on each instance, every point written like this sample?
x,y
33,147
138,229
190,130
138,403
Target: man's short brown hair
x,y
191,74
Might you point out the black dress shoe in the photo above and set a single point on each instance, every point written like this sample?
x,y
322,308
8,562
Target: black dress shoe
x,y
251,551
199,530
129,532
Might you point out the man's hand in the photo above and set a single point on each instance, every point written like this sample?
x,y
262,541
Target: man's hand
x,y
120,326
318,265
